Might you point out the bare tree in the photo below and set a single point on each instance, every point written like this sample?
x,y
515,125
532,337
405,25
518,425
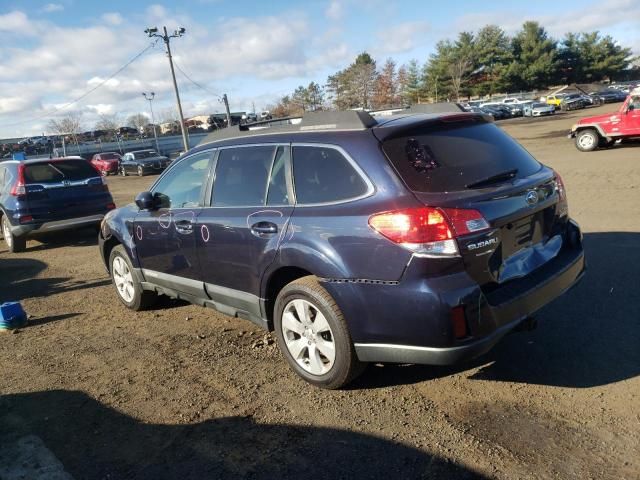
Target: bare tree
x,y
137,121
168,115
71,124
110,123
458,69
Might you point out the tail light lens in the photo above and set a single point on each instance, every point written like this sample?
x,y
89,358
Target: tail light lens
x,y
19,187
428,230
563,206
111,206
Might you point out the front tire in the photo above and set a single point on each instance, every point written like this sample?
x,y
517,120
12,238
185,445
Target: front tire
x,y
128,288
14,243
587,140
123,172
313,335
140,171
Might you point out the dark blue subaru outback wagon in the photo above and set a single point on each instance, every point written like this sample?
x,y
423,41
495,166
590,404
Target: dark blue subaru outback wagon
x,y
420,238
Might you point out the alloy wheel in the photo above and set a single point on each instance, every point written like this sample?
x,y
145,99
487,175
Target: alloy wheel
x,y
308,337
123,279
587,141
6,232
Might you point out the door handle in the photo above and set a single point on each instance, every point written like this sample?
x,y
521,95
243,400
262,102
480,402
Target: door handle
x,y
261,229
184,226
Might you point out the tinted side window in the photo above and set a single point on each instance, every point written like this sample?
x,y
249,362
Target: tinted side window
x,y
444,158
181,186
2,179
277,194
242,175
323,174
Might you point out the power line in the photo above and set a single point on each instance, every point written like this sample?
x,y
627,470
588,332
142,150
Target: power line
x,y
219,97
84,95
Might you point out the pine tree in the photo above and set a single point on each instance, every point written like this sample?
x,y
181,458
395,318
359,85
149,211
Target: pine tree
x,y
535,57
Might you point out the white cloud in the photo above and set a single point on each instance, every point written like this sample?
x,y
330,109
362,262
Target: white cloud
x,y
335,10
401,38
112,18
14,22
102,108
52,7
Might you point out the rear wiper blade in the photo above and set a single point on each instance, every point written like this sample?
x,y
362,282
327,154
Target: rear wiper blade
x,y
500,177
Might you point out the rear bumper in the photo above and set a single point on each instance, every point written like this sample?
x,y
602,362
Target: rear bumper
x,y
58,225
508,315
410,321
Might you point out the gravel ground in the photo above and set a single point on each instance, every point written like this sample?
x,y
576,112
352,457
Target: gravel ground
x,y
185,392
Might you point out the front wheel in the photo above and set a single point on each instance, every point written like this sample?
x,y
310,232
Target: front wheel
x,y
313,335
128,288
140,171
14,243
587,140
123,172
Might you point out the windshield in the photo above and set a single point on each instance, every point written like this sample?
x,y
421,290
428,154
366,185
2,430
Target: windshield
x,y
110,156
444,158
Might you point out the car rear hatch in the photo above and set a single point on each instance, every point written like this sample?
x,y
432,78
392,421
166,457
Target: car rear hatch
x,y
60,189
465,163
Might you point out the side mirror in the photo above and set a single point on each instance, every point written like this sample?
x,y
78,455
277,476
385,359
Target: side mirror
x,y
631,107
145,201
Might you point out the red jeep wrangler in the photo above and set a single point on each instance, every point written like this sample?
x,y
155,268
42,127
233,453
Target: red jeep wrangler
x,y
604,130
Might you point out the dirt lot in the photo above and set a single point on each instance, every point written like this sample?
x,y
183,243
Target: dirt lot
x,y
184,392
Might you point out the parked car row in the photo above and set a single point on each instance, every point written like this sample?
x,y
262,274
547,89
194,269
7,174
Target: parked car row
x,y
138,162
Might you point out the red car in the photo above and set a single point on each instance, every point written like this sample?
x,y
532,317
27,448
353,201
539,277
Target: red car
x,y
604,130
107,162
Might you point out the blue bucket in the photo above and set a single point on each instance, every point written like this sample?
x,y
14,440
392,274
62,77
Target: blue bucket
x,y
12,316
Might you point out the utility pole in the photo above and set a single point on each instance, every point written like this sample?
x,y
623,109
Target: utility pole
x,y
226,107
150,97
153,32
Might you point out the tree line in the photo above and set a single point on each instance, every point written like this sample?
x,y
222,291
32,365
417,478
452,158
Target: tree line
x,y
479,63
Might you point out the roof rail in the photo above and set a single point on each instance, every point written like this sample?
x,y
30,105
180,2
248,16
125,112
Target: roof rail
x,y
311,121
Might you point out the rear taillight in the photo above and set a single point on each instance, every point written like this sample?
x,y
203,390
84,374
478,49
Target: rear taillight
x,y
111,206
428,230
563,206
25,219
19,187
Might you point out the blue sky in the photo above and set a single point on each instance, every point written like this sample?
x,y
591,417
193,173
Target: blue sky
x,y
255,51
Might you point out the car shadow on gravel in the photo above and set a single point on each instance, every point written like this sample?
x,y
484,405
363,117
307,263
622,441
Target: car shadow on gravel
x,y
85,237
18,280
92,440
588,337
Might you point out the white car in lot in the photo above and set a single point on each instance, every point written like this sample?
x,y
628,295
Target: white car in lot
x,y
513,101
537,109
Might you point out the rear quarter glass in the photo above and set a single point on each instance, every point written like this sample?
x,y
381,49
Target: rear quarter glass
x,y
446,158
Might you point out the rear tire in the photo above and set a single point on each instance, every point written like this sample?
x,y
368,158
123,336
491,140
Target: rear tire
x,y
587,140
313,335
128,288
14,243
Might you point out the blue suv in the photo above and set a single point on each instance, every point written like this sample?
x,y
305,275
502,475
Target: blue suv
x,y
420,238
46,195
